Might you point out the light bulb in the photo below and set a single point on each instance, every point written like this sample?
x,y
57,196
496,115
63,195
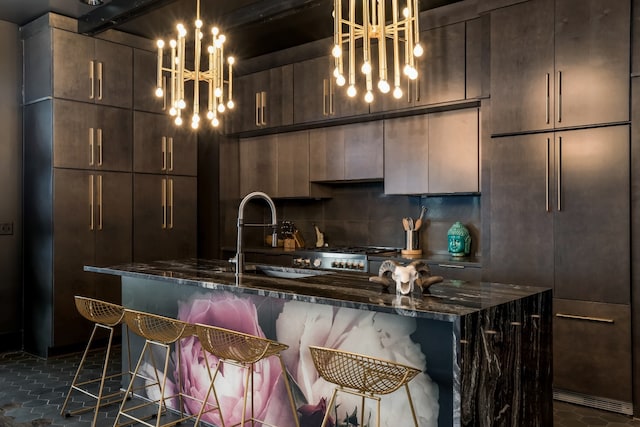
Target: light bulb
x,y
351,91
159,92
198,23
210,49
418,50
231,60
194,125
210,115
217,92
384,87
397,92
405,12
215,31
368,97
413,73
222,38
173,111
178,121
336,51
217,43
181,30
173,44
230,104
336,72
215,122
195,118
160,43
221,108
181,104
340,80
366,67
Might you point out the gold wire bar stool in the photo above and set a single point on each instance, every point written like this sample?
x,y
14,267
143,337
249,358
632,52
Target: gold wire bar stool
x,y
104,315
243,350
162,332
363,376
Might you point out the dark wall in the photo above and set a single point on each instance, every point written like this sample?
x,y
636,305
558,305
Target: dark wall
x,y
10,186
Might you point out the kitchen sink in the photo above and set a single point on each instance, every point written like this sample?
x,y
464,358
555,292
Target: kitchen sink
x,y
289,272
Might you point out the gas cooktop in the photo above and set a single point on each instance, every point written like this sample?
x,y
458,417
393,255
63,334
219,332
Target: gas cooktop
x,y
351,258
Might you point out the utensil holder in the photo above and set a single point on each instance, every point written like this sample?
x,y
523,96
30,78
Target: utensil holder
x,y
412,243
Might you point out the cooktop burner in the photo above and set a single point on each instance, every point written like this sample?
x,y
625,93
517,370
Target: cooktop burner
x,y
339,257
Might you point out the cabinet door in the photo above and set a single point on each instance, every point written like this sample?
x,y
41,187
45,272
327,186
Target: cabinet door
x,y
74,137
247,113
453,152
144,78
114,147
183,217
258,164
364,151
592,45
591,224
279,97
521,229
72,56
114,74
150,217
327,151
522,67
150,144
441,72
114,229
182,149
406,155
311,88
74,224
293,165
592,348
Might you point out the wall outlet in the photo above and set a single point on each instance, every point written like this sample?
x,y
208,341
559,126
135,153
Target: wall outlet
x,y
6,228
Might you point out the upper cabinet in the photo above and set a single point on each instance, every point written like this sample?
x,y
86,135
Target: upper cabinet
x,y
432,153
557,64
144,83
441,71
81,69
263,100
347,153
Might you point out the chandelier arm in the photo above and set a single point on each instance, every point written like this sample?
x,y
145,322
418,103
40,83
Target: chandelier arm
x,y
382,43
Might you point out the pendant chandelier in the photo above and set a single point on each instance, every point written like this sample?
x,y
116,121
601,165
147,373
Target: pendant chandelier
x,y
379,31
213,76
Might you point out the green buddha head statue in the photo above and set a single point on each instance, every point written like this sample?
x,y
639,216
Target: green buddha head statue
x,y
459,240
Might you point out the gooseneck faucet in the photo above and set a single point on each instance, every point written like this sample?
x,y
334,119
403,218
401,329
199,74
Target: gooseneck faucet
x,y
274,223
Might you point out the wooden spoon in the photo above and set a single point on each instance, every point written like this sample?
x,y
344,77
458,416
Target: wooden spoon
x,y
418,224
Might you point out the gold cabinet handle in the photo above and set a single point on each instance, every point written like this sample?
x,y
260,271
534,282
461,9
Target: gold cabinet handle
x,y
325,97
548,88
100,65
559,183
263,105
164,203
91,209
170,153
99,132
99,202
91,143
258,108
91,79
170,203
559,103
547,177
586,318
164,153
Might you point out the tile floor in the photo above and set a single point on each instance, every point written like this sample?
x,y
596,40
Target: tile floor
x,y
32,391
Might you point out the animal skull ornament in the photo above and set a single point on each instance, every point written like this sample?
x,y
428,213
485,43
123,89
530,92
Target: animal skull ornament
x,y
406,278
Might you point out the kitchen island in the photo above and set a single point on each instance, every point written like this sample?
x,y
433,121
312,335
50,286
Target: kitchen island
x,y
484,348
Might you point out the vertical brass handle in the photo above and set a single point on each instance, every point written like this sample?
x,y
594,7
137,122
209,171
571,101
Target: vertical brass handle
x,y
263,97
91,79
258,108
164,203
325,97
91,143
170,203
416,82
332,98
548,173
559,163
164,93
99,202
170,151
559,96
164,153
91,209
548,88
99,132
100,65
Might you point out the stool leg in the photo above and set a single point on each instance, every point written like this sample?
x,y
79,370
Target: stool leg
x,y
163,385
80,366
329,406
413,411
362,412
288,387
129,390
212,378
104,375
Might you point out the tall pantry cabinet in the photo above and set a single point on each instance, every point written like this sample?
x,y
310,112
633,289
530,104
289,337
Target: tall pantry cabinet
x,y
560,181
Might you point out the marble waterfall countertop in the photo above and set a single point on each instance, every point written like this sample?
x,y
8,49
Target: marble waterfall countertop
x,y
446,301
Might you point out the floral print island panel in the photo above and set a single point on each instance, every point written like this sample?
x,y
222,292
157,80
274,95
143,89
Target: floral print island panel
x,y
299,325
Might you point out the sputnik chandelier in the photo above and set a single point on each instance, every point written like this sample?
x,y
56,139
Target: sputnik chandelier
x,y
179,75
373,24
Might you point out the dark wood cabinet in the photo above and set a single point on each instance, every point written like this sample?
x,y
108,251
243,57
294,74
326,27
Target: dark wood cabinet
x,y
145,81
557,64
563,186
312,84
264,99
347,153
164,217
592,349
161,147
89,136
432,154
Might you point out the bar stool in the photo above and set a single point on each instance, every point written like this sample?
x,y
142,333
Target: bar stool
x,y
363,376
162,332
107,316
243,350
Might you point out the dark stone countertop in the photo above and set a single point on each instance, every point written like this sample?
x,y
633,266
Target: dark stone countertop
x,y
445,301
